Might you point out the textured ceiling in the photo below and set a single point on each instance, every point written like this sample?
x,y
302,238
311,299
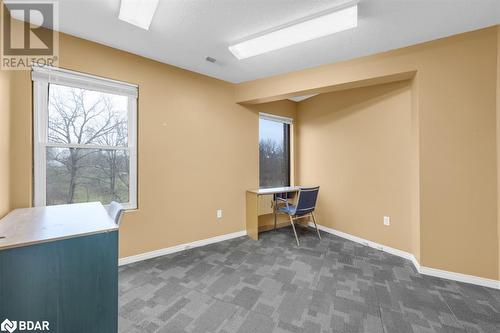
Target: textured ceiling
x,y
184,32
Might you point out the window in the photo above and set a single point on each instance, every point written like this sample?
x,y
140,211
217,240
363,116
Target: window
x,y
84,139
274,151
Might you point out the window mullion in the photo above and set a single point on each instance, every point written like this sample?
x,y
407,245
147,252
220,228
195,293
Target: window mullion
x,y
85,146
132,146
41,94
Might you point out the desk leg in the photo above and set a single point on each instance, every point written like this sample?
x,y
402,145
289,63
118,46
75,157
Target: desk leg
x,y
252,215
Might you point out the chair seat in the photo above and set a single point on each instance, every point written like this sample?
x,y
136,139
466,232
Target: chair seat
x,y
290,209
306,202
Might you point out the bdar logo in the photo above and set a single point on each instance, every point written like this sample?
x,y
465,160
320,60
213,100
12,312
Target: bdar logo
x,y
8,326
24,325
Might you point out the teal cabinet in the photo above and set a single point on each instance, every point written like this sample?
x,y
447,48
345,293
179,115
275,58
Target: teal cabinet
x,y
71,283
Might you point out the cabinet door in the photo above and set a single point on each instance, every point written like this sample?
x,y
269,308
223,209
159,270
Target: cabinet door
x,y
29,283
71,283
265,204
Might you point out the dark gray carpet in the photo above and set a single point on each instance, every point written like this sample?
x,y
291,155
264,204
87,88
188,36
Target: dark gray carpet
x,y
271,285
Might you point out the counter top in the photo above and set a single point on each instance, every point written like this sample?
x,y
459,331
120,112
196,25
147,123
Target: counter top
x,y
274,190
29,226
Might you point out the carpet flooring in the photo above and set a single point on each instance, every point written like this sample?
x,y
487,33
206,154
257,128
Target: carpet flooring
x,y
271,285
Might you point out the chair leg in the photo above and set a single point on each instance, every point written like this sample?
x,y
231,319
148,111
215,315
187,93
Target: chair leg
x,y
314,220
275,217
295,232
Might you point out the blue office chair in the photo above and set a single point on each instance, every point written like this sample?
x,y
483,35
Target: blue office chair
x,y
306,203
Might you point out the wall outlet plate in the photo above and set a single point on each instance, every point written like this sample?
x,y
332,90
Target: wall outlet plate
x,y
219,213
387,220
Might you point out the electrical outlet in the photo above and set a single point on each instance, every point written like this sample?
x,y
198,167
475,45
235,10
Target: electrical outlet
x,y
387,220
219,213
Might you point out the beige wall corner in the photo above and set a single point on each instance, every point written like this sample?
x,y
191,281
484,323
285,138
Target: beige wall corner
x,y
453,130
415,168
356,144
284,108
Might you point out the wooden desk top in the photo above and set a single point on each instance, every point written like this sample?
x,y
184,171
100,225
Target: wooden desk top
x,y
275,190
28,226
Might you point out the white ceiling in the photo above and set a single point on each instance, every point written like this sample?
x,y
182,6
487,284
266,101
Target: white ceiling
x,y
184,32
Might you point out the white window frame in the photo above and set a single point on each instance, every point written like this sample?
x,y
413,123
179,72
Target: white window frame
x,y
273,117
42,77
288,121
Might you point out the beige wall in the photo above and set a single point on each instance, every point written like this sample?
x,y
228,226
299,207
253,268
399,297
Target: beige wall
x,y
415,170
198,150
197,147
457,155
498,145
4,142
21,140
356,145
454,176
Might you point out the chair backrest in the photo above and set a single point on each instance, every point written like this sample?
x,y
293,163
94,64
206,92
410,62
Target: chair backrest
x,y
115,211
285,195
306,202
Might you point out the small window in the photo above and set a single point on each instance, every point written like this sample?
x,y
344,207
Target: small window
x,y
85,139
274,151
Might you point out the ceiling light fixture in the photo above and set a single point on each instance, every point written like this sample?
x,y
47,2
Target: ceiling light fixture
x,y
138,12
322,24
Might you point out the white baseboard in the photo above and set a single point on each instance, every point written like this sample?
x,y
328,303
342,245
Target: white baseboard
x,y
180,247
366,242
484,282
406,255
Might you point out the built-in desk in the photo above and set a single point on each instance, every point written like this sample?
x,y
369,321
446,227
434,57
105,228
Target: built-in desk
x,y
60,264
252,209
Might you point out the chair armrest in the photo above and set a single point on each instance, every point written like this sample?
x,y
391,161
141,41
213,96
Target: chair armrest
x,y
278,199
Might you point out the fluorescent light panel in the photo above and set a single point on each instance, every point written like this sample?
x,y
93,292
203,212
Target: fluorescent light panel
x,y
309,29
138,12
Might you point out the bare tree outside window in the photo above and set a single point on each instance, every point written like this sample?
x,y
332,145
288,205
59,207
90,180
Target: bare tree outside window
x,y
87,157
274,165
